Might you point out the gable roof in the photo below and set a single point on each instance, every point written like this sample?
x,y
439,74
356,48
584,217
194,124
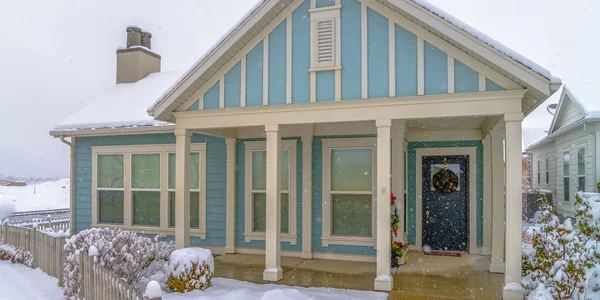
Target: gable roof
x,y
539,82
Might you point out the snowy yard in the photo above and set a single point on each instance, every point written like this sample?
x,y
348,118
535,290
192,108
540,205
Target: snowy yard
x,y
40,196
21,282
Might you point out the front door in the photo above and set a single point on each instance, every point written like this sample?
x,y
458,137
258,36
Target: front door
x,y
445,217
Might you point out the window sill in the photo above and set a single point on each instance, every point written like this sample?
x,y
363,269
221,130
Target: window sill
x,y
153,230
319,69
259,236
351,241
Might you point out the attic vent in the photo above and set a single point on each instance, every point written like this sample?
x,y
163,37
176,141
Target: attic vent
x,y
325,44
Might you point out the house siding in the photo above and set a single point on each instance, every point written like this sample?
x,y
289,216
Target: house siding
x,y
215,179
541,154
569,113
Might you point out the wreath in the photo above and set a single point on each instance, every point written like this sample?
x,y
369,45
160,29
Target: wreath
x,y
445,181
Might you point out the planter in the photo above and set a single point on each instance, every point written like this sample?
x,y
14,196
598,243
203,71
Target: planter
x,y
402,259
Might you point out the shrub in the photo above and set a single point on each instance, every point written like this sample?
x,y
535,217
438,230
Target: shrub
x,y
189,269
15,255
131,257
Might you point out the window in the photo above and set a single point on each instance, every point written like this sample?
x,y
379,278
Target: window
x,y
581,168
133,185
348,185
256,185
566,175
547,172
538,172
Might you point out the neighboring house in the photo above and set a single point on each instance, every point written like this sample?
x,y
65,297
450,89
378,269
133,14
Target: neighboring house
x,y
568,157
289,136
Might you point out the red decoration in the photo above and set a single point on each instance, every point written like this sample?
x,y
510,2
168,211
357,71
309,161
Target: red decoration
x,y
393,198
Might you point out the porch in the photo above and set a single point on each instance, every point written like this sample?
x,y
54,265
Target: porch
x,y
423,277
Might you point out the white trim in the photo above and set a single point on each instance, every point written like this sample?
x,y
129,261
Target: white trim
x,y
344,257
230,196
266,70
307,158
249,235
313,87
482,85
327,237
472,153
487,196
163,150
243,82
288,61
338,85
392,58
222,92
364,58
450,74
420,66
313,4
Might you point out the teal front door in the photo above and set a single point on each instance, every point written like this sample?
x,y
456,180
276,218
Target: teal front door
x,y
445,212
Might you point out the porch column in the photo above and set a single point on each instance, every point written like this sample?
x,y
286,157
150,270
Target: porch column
x,y
273,270
487,195
384,281
182,188
230,197
514,177
398,130
307,138
498,199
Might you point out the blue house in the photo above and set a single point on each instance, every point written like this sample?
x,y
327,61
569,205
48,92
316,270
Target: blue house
x,y
291,134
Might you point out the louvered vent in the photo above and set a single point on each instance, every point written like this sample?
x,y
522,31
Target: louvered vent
x,y
325,43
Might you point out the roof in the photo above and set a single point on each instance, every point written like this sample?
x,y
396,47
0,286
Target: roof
x,y
122,106
537,80
532,135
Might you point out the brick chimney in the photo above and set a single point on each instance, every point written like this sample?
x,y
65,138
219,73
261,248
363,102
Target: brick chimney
x,y
137,60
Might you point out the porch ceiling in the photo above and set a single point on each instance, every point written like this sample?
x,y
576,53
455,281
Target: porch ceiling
x,y
446,124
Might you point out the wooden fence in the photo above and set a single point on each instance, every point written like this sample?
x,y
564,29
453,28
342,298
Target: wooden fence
x,y
54,224
100,284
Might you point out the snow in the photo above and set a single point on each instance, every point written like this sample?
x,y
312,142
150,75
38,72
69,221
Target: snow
x,y
122,106
383,278
41,196
229,289
181,260
153,290
21,282
485,39
513,286
7,207
532,136
540,293
93,251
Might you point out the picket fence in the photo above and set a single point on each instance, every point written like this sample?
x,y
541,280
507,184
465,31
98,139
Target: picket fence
x,y
97,283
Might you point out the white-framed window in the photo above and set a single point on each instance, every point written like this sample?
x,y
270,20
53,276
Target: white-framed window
x,y
325,37
539,171
255,191
349,180
131,186
566,161
581,168
547,172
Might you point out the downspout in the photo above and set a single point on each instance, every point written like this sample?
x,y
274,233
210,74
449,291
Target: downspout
x,y
71,145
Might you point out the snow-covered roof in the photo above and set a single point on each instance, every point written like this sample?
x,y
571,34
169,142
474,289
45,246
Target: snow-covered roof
x,y
590,106
533,135
122,106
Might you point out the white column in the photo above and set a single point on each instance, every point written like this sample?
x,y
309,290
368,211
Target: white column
x,y
182,188
398,129
384,281
230,197
307,138
514,179
498,200
487,196
272,256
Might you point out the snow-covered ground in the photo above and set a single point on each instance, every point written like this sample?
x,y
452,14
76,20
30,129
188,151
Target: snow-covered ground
x,y
40,196
229,289
21,282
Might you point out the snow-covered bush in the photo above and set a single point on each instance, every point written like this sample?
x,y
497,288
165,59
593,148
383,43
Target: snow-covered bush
x,y
190,269
15,255
131,257
560,254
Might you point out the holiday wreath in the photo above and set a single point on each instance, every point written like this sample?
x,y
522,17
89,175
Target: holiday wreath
x,y
445,181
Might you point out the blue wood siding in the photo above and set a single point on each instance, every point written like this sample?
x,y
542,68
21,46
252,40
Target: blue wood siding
x,y
195,106
211,97
436,70
233,81
378,55
216,161
412,183
240,194
351,50
466,80
325,86
492,86
277,65
325,3
406,62
254,76
301,54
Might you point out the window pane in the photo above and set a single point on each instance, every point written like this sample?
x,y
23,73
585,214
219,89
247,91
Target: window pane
x,y
285,213
285,171
146,208
194,209
110,207
194,170
351,215
259,170
581,161
352,169
547,173
145,171
566,164
539,170
110,171
259,208
566,188
581,183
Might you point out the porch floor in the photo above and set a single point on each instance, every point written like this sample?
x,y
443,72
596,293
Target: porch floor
x,y
423,277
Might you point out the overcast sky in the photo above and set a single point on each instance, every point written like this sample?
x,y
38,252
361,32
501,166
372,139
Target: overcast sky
x,y
56,55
